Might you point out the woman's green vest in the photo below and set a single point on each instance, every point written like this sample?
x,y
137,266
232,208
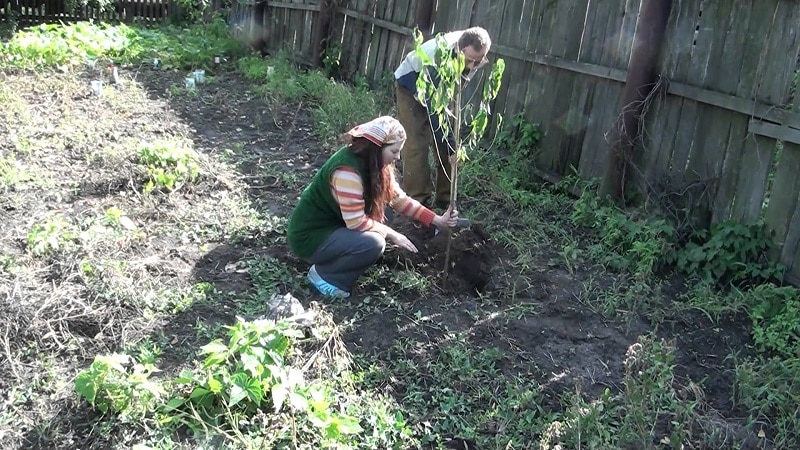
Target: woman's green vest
x,y
317,214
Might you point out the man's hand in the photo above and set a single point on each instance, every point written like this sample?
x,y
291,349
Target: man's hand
x,y
401,241
448,219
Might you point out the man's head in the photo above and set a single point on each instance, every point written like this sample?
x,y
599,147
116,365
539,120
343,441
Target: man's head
x,y
475,44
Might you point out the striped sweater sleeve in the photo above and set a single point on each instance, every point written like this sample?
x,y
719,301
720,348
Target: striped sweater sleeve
x,y
409,207
348,191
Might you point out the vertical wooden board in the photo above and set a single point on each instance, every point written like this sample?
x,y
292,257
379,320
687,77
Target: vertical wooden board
x,y
394,47
533,80
384,13
368,67
514,32
359,29
337,30
604,95
308,31
279,19
465,12
630,18
348,41
489,15
785,188
591,50
730,66
675,62
757,151
757,158
780,54
297,27
406,43
760,20
713,124
657,148
446,15
790,253
544,77
572,94
367,37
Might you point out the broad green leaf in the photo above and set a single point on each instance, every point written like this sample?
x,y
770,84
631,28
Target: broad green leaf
x,y
349,425
85,385
237,394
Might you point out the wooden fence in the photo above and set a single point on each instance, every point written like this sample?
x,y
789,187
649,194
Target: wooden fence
x,y
33,12
720,140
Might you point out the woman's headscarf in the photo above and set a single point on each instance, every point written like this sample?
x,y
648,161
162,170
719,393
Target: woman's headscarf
x,y
381,131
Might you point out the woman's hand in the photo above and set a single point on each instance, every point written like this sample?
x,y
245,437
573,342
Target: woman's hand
x,y
448,219
401,241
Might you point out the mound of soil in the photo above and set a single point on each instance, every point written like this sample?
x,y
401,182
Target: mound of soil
x,y
470,262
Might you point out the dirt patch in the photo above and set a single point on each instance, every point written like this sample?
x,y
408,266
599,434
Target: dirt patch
x,y
471,260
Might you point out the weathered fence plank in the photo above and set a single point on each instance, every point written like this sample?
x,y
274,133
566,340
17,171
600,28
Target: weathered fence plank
x,y
516,24
730,67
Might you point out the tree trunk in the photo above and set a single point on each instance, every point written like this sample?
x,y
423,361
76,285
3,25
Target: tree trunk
x,y
640,82
423,17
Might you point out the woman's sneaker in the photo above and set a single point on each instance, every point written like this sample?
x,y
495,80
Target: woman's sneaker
x,y
323,286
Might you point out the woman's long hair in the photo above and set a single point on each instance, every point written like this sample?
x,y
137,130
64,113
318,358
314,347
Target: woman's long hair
x,y
378,185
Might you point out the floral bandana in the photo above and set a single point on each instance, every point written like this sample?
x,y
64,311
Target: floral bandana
x,y
381,131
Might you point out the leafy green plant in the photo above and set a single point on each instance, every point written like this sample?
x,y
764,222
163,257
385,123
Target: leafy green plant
x,y
730,253
50,45
775,312
623,243
520,137
53,235
249,373
169,165
114,383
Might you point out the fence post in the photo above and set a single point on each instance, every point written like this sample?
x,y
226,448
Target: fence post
x,y
639,83
423,18
322,31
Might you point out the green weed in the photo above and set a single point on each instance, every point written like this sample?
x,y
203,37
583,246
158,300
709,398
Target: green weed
x,y
116,384
730,253
50,236
51,45
169,165
775,312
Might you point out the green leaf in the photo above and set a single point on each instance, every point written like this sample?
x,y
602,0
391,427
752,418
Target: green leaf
x,y
279,394
175,403
214,385
251,364
237,394
86,386
349,425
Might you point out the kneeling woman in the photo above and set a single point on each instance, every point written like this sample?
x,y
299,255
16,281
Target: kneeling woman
x,y
339,224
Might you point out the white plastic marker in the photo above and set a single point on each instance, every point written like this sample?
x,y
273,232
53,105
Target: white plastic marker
x,y
97,87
